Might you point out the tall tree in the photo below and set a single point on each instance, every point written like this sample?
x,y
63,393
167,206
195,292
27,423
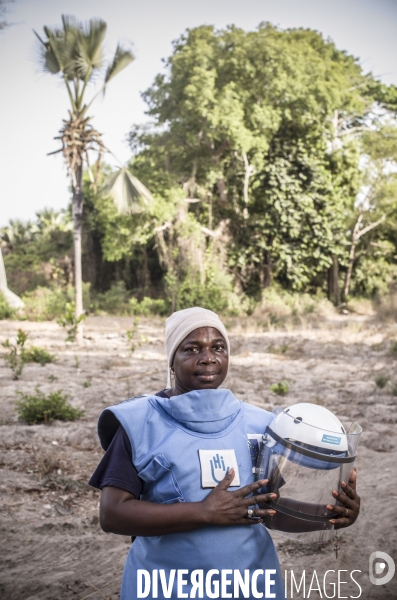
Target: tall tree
x,y
75,52
249,124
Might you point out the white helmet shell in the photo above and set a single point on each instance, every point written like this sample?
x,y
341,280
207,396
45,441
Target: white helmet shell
x,y
312,425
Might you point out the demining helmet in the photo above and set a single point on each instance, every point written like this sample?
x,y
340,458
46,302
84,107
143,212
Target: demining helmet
x,y
306,454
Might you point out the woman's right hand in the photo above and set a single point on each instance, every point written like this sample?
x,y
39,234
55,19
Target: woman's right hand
x,y
223,507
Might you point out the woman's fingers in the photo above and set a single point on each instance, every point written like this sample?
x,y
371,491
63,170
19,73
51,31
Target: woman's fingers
x,y
349,491
227,480
252,487
259,499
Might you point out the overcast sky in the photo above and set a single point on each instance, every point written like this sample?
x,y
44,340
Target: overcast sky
x,y
33,104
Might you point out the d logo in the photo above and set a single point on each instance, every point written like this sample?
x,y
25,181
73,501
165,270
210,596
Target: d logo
x,y
379,567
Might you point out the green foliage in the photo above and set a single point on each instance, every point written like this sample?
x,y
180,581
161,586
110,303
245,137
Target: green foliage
x,y
135,339
381,380
393,348
70,322
44,408
280,388
148,306
86,384
115,300
45,303
38,355
6,312
15,357
394,390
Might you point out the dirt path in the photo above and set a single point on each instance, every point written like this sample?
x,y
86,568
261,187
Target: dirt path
x,y
52,546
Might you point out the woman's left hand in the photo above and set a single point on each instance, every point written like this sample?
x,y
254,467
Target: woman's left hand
x,y
350,501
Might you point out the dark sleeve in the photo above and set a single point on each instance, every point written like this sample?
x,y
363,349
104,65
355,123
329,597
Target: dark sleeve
x,y
116,467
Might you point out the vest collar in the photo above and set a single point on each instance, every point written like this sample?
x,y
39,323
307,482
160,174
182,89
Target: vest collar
x,y
202,411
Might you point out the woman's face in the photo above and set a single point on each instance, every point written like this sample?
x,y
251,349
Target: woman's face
x,y
201,361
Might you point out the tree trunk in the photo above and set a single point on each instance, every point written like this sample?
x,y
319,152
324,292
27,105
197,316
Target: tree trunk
x,y
267,271
333,282
77,208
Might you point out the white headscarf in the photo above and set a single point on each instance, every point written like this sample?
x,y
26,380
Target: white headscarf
x,y
183,322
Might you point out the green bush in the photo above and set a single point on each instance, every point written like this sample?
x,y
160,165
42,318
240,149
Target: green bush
x,y
45,303
39,355
70,322
42,408
148,306
6,312
280,388
15,357
115,300
381,380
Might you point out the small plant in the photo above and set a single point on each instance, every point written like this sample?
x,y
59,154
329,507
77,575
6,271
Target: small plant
x,y
282,349
394,390
42,408
37,355
76,361
135,339
381,380
6,312
280,388
393,348
86,384
15,356
52,378
69,322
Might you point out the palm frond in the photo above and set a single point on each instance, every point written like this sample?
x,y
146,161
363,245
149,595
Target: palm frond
x,y
90,47
121,60
127,192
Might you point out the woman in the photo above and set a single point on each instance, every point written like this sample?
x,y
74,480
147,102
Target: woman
x,y
178,475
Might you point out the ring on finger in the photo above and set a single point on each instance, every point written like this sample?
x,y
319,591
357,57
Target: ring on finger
x,y
250,512
345,513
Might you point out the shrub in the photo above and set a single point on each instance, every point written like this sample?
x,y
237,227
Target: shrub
x,y
6,312
280,388
45,303
393,348
70,322
37,355
42,408
394,390
381,380
115,300
148,306
15,356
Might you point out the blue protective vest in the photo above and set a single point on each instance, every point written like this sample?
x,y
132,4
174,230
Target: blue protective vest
x,y
166,435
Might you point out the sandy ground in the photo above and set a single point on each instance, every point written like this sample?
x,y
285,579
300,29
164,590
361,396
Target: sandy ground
x,y
52,546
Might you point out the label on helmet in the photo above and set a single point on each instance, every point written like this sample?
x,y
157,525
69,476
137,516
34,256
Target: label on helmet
x,y
331,439
215,464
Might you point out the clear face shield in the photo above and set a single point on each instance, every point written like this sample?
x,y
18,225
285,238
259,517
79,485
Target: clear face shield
x,y
304,464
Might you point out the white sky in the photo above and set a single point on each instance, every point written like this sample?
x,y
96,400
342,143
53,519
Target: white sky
x,y
33,104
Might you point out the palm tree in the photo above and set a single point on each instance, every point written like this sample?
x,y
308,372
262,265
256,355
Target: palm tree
x,y
75,51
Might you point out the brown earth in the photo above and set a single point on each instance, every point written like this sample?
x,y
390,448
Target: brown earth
x,y
52,546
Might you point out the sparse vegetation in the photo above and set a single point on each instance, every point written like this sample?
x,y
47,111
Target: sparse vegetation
x,y
37,355
394,390
381,380
15,357
135,338
44,408
281,388
70,322
86,384
6,312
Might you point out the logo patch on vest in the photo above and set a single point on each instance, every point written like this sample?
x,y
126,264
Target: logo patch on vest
x,y
215,464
